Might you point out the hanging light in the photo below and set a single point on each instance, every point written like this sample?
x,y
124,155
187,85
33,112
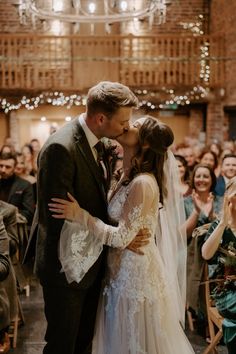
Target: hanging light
x,y
105,12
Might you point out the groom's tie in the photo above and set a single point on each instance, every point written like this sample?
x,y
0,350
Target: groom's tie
x,y
100,158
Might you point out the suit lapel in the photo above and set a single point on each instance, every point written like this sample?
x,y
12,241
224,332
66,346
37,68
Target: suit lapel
x,y
85,150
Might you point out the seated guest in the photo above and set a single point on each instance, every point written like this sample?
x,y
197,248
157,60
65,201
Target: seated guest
x,y
219,249
5,269
228,171
8,213
20,170
14,189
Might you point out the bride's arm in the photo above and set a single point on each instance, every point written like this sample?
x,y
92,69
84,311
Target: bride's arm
x,y
142,198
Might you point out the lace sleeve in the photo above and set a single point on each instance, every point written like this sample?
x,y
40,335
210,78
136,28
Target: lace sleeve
x,y
138,209
81,242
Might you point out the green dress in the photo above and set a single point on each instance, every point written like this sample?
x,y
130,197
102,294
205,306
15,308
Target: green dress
x,y
221,265
194,260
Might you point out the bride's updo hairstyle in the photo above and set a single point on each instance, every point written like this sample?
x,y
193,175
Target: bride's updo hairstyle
x,y
154,139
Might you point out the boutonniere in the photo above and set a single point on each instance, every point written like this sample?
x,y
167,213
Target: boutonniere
x,y
110,153
110,149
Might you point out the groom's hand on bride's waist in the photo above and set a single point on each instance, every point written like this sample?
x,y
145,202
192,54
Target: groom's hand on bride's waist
x,y
141,239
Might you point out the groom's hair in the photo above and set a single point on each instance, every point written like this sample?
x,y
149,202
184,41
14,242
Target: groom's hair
x,y
107,97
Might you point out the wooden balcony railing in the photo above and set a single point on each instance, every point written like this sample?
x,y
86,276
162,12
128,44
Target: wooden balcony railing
x,y
31,62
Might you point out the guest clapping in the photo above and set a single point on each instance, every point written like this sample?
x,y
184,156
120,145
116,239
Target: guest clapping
x,y
219,249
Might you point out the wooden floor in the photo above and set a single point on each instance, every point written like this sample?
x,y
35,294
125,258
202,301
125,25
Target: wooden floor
x,y
31,334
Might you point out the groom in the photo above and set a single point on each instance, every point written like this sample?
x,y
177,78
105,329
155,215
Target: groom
x,y
68,163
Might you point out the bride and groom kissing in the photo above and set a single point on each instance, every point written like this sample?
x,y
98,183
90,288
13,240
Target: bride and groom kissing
x,y
101,295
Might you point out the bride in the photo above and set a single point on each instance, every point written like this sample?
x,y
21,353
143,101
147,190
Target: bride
x,y
141,310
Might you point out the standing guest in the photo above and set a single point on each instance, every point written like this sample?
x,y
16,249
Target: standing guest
x,y
20,170
7,149
73,159
219,249
228,171
190,157
200,208
28,153
216,148
35,144
209,158
14,189
184,175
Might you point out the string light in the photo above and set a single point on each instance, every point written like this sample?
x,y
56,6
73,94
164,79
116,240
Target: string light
x,y
148,99
197,29
171,100
53,98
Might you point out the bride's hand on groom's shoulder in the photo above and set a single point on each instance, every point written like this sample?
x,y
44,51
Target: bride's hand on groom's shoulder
x,y
65,209
141,239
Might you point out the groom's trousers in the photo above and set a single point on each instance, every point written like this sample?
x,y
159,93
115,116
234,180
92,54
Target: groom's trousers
x,y
71,314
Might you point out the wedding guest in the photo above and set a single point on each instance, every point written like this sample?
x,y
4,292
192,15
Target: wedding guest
x,y
14,189
190,157
216,148
184,175
28,153
4,302
7,149
209,158
228,171
201,208
8,292
35,144
20,170
219,249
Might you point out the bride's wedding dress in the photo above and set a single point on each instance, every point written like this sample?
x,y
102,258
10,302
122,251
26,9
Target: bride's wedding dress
x,y
136,313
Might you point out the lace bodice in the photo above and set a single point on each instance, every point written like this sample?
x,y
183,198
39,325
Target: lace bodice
x,y
135,206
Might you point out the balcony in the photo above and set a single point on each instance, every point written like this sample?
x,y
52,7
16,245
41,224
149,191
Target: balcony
x,y
72,63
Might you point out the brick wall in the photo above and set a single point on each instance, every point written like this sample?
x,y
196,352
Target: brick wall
x,y
195,123
215,121
222,21
178,11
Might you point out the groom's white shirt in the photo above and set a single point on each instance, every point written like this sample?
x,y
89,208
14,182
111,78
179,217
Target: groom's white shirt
x,y
92,139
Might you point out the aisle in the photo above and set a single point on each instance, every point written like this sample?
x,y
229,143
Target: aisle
x,y
30,335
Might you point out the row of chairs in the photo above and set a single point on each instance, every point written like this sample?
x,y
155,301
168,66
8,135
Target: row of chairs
x,y
214,319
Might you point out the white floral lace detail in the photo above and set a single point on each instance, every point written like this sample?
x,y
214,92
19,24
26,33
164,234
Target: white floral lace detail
x,y
134,279
81,264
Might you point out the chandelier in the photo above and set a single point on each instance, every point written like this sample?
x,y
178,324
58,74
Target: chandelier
x,y
106,12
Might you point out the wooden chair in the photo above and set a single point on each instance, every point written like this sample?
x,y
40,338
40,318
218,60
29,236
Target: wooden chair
x,y
19,319
190,319
215,320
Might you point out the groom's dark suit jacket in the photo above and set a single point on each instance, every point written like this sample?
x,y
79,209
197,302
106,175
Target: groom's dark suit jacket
x,y
66,164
